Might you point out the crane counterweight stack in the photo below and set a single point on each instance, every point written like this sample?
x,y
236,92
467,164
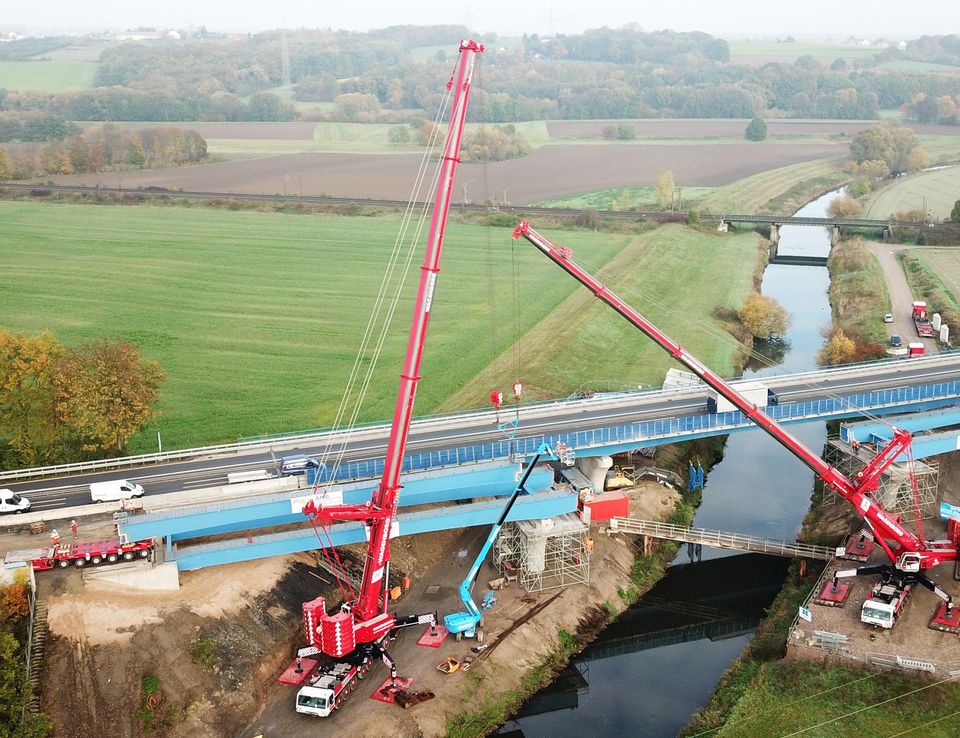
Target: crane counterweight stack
x,y
909,554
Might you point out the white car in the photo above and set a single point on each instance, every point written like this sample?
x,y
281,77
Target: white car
x,y
11,502
888,318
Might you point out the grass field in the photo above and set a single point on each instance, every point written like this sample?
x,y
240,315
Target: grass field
x,y
817,700
47,76
753,194
349,138
257,317
761,51
945,264
906,65
622,198
937,191
668,274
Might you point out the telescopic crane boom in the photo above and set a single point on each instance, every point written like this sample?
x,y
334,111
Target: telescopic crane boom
x,y
907,552
366,619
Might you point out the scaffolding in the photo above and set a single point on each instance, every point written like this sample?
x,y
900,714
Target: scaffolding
x,y
895,493
544,554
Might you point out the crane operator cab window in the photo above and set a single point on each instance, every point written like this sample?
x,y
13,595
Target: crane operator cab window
x,y
318,703
876,615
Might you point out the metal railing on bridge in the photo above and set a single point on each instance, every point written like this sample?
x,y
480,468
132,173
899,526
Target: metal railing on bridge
x,y
721,539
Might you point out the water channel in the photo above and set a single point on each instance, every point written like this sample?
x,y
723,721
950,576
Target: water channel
x,y
659,662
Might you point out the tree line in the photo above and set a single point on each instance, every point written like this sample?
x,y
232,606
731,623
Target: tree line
x,y
104,148
60,404
602,73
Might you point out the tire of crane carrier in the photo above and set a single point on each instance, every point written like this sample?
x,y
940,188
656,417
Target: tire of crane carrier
x,y
479,636
129,556
144,553
96,559
63,563
80,563
112,558
364,668
338,701
353,682
459,636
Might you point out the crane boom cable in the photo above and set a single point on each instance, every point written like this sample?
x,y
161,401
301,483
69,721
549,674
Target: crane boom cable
x,y
377,311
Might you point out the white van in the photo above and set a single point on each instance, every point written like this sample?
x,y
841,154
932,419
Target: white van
x,y
119,489
11,502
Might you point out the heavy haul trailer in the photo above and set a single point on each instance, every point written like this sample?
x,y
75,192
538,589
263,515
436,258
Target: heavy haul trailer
x,y
92,553
909,555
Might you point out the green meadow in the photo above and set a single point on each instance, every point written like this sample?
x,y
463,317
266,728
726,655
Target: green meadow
x,y
258,317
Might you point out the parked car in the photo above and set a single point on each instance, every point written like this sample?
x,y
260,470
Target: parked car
x,y
896,341
11,502
888,318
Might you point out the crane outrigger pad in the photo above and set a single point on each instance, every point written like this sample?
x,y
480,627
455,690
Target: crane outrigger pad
x,y
833,595
947,623
858,548
387,692
292,676
433,637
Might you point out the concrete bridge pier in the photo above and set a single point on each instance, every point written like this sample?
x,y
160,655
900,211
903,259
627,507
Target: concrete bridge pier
x,y
775,233
772,250
595,469
723,227
888,233
834,235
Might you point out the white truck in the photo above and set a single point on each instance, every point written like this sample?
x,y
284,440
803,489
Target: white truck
x,y
885,603
329,687
755,392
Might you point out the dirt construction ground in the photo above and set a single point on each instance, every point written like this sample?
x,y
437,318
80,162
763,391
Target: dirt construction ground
x,y
217,645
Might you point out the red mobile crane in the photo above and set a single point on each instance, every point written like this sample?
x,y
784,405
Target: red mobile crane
x,y
909,554
356,632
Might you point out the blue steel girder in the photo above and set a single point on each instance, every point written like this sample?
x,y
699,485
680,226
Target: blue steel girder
x,y
866,430
535,506
245,514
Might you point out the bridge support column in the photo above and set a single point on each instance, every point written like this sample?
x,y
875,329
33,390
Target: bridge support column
x,y
723,227
595,469
775,233
772,250
888,233
835,235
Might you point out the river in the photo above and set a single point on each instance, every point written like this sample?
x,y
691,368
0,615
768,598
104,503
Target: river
x,y
649,671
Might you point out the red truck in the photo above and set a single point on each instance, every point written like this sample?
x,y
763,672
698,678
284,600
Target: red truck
x,y
922,320
79,555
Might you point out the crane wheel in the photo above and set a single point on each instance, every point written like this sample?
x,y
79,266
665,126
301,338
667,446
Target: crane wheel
x,y
479,636
80,563
63,564
144,553
129,555
459,637
96,560
112,558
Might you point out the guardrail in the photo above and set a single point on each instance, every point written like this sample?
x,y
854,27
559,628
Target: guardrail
x,y
640,432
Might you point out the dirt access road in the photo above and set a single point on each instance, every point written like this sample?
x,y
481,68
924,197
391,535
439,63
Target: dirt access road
x,y
901,297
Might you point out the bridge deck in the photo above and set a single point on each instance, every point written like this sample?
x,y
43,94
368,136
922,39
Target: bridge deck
x,y
721,539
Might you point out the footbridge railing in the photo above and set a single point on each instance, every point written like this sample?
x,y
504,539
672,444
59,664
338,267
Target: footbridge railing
x,y
722,539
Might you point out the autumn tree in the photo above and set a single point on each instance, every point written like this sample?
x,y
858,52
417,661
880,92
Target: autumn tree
x,y
28,425
764,317
839,349
4,164
104,392
665,188
896,146
844,207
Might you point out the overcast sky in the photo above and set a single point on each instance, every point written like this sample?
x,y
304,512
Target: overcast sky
x,y
826,18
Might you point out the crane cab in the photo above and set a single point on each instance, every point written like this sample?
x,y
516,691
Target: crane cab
x,y
315,701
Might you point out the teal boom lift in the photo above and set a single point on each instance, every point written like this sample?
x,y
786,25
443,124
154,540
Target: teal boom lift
x,y
466,624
